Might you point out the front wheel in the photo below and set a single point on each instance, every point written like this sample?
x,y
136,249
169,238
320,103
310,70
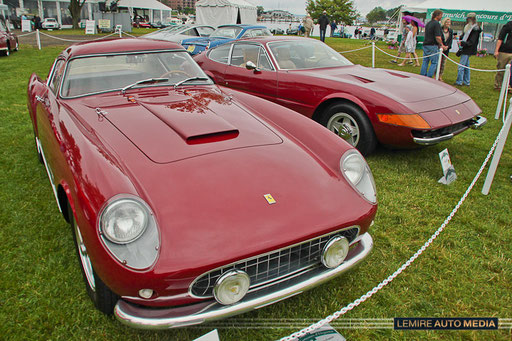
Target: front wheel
x,y
351,124
103,298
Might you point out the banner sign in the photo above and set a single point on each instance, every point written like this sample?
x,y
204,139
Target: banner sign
x,y
481,16
90,27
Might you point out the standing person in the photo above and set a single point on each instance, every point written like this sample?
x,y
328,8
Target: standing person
x,y
415,30
372,33
323,22
469,45
308,25
333,27
410,44
503,53
447,38
431,44
401,48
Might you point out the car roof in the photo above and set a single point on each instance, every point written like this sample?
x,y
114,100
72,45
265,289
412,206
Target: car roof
x,y
269,39
243,26
118,45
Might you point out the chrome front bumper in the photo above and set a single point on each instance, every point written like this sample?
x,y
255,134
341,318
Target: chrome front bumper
x,y
149,318
476,123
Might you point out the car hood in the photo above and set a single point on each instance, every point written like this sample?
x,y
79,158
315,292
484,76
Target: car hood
x,y
400,86
188,124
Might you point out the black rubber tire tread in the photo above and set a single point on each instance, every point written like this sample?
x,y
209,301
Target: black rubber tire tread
x,y
103,298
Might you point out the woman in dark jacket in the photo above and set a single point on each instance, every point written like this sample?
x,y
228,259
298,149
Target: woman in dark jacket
x,y
469,45
447,37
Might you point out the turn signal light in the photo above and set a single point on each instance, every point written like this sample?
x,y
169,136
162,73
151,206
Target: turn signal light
x,y
406,120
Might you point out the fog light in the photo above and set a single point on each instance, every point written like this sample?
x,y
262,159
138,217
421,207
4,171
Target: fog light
x,y
231,287
335,252
145,293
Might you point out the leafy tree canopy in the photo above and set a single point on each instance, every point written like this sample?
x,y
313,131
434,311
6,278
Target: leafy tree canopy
x,y
260,10
376,14
338,10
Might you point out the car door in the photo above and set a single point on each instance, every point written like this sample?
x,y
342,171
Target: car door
x,y
261,82
47,116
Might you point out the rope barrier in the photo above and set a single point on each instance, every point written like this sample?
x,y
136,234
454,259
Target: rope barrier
x,y
26,34
362,48
129,35
405,265
422,57
467,67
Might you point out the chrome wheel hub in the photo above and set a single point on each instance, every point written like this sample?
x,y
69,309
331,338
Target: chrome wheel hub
x,y
343,125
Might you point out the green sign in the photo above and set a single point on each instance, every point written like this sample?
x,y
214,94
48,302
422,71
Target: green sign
x,y
481,16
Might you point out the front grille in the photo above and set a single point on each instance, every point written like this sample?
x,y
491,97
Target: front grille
x,y
275,265
453,129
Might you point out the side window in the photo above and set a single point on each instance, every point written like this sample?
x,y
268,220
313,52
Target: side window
x,y
220,54
242,53
205,31
248,34
263,61
191,32
58,72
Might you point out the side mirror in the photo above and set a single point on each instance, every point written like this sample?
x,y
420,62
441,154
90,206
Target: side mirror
x,y
251,66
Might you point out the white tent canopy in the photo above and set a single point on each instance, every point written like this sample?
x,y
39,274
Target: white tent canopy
x,y
220,12
143,4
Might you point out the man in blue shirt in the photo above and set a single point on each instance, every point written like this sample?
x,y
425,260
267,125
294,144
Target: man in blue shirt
x,y
431,44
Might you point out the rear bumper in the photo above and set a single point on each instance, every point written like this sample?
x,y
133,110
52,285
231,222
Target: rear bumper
x,y
475,123
151,318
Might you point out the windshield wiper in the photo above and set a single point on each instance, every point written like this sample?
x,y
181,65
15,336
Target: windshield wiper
x,y
144,81
190,79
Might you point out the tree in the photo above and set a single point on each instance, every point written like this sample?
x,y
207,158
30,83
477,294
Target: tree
x,y
260,10
376,14
75,8
338,10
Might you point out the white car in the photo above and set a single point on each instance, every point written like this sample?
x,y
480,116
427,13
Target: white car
x,y
50,23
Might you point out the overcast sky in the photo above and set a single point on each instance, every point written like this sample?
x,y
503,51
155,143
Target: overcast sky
x,y
362,6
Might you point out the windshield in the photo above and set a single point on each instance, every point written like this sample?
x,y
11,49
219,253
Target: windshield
x,y
94,74
305,54
168,30
226,32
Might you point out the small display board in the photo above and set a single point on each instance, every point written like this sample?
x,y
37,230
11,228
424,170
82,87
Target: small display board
x,y
449,175
26,26
90,27
324,333
211,336
104,24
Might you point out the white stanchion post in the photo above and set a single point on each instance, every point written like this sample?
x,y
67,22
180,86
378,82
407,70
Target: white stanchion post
x,y
440,58
497,152
504,86
38,38
373,54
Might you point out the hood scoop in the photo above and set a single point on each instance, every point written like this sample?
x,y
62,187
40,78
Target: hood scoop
x,y
194,127
361,79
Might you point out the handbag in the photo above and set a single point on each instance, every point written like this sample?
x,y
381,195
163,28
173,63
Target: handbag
x,y
459,52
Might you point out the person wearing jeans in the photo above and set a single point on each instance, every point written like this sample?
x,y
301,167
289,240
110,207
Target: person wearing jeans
x,y
431,44
468,45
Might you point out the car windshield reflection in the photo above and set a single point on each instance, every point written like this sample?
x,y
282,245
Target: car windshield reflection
x,y
96,74
301,54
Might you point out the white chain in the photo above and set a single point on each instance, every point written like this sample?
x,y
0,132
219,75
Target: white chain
x,y
404,266
26,34
467,67
77,40
422,57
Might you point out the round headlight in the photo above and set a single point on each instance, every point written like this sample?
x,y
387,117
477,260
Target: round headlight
x,y
231,287
124,221
335,252
354,167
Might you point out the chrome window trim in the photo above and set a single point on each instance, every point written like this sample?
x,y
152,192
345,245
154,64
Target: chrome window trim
x,y
277,279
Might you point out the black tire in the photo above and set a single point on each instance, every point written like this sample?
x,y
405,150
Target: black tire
x,y
350,123
103,298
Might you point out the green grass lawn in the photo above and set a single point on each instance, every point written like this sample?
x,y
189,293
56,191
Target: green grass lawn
x,y
467,272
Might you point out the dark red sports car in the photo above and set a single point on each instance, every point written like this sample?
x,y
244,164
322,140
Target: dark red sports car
x,y
190,202
8,40
362,105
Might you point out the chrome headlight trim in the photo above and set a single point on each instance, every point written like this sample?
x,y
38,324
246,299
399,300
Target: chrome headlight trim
x,y
358,174
142,249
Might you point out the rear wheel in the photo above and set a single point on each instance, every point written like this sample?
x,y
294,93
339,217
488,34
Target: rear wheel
x,y
351,124
8,51
103,298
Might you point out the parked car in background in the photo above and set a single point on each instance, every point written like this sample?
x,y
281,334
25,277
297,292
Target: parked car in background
x,y
180,32
224,34
191,202
363,105
8,40
293,30
276,30
50,24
